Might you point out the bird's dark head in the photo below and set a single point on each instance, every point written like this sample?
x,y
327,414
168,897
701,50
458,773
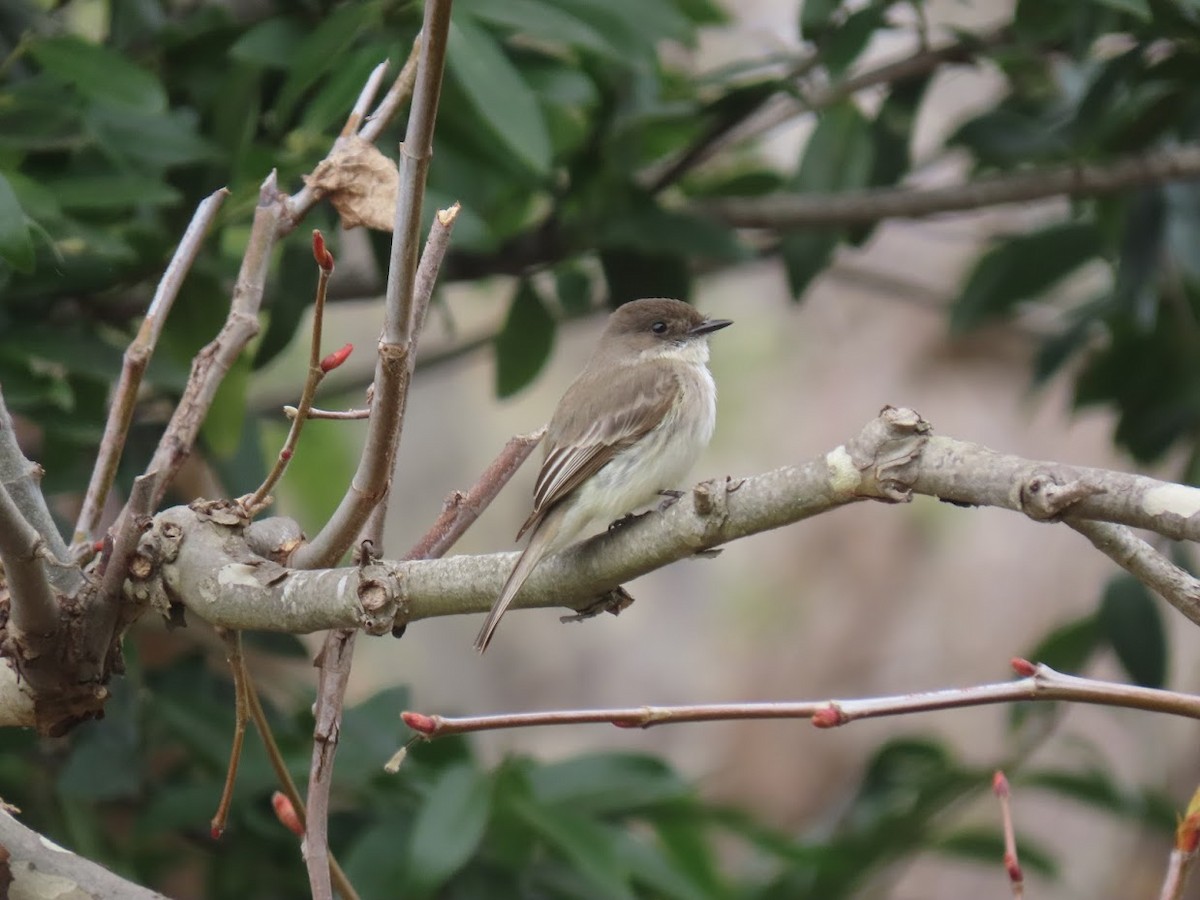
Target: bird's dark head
x,y
649,324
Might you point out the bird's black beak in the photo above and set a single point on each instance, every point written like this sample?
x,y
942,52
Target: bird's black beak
x,y
708,326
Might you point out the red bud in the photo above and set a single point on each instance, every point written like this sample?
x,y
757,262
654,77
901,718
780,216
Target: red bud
x,y
1022,666
285,454
419,722
286,813
829,717
336,358
216,831
1000,784
321,253
1014,868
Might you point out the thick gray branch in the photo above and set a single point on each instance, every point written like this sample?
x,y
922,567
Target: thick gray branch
x,y
39,868
787,211
206,567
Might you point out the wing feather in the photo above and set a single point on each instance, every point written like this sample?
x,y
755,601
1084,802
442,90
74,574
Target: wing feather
x,y
578,444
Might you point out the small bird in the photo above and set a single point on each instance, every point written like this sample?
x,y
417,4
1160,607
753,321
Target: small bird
x,y
630,426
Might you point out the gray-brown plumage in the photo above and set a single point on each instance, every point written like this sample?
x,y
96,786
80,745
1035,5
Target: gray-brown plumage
x,y
632,424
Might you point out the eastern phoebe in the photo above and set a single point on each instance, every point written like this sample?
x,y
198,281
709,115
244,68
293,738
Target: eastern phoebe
x,y
631,425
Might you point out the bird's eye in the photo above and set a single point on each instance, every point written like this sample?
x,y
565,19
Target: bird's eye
x,y
658,327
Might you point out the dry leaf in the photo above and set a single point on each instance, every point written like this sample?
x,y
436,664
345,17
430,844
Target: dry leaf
x,y
360,182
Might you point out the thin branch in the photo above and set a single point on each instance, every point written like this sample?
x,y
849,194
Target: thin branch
x,y
1183,854
279,766
1143,562
136,358
1040,684
1012,863
213,362
334,663
22,480
237,666
365,98
362,505
33,607
335,415
396,96
789,211
316,371
461,510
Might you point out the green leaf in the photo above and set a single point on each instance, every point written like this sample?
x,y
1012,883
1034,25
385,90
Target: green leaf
x,y
273,42
16,244
842,46
1140,256
573,285
1138,8
631,275
545,21
1069,646
448,827
650,228
101,74
524,343
111,746
607,783
372,863
94,192
321,50
161,141
805,255
838,157
839,154
816,17
987,847
589,846
1130,619
222,428
499,94
1020,268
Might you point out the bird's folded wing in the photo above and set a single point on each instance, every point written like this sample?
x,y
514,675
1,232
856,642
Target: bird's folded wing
x,y
579,443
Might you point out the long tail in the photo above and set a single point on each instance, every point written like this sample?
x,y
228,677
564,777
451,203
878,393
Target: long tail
x,y
540,543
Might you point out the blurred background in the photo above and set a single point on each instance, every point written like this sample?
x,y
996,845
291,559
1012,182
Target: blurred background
x,y
591,159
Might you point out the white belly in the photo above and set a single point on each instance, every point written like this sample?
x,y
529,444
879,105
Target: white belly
x,y
659,461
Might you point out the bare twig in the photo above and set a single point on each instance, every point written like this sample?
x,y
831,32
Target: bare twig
x,y
21,478
361,510
237,666
1144,563
789,211
137,357
334,663
336,415
365,98
316,371
214,360
1012,863
279,766
33,607
1040,683
397,94
1183,854
461,510
397,345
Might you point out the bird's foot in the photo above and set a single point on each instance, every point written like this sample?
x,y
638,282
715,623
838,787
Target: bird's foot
x,y
613,602
670,498
625,521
